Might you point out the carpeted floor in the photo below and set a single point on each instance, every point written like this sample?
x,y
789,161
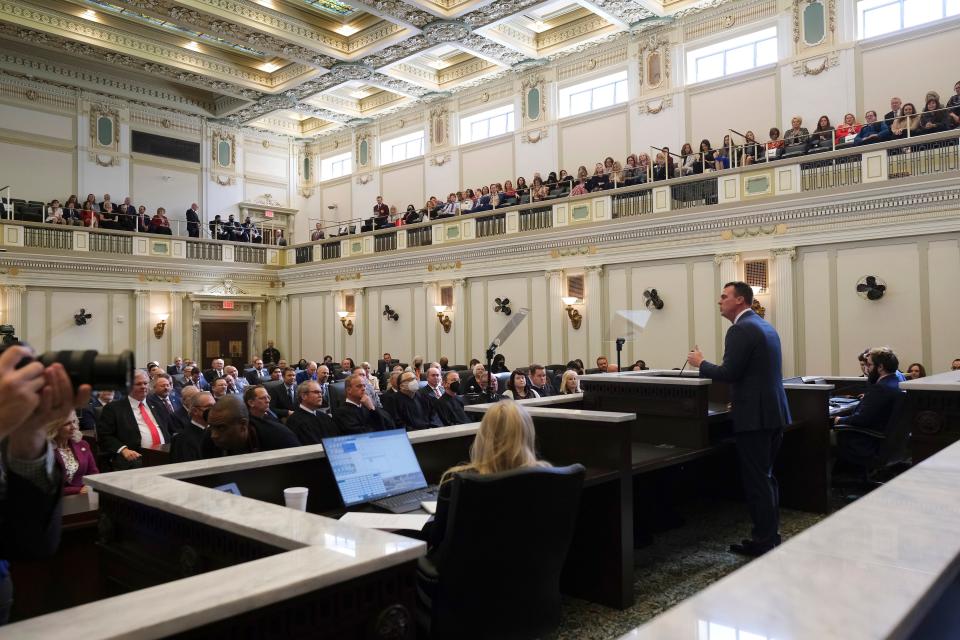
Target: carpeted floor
x,y
677,565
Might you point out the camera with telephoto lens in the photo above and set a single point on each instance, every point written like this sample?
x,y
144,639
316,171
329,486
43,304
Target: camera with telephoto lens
x,y
101,371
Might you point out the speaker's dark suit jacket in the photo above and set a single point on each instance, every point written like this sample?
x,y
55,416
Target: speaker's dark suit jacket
x,y
280,400
752,365
211,375
418,412
118,427
349,419
310,428
173,370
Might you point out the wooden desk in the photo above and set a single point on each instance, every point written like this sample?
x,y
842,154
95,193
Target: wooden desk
x,y
154,456
934,406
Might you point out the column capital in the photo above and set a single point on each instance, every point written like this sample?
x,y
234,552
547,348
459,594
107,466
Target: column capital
x,y
595,269
784,252
459,282
723,257
139,293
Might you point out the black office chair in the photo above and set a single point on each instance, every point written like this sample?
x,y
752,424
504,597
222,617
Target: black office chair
x,y
496,574
502,380
876,452
337,395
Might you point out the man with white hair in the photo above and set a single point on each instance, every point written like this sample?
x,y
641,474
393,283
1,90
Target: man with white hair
x,y
129,425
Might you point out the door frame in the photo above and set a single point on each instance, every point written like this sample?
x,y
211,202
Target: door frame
x,y
247,309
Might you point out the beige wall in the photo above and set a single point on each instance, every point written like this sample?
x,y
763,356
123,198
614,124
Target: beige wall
x,y
589,140
404,186
484,164
750,105
20,170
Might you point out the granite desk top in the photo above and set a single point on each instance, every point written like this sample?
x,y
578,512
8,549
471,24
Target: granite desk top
x,y
690,377
561,413
949,381
320,551
871,570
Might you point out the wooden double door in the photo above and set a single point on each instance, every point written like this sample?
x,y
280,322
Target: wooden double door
x,y
227,340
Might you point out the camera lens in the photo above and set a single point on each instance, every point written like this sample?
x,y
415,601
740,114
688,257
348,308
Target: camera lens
x,y
101,371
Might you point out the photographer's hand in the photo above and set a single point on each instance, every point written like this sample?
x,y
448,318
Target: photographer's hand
x,y
19,388
54,403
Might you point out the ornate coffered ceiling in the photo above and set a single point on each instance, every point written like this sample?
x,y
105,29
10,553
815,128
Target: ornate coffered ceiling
x,y
302,67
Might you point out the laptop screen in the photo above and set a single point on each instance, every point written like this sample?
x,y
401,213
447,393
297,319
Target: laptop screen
x,y
370,466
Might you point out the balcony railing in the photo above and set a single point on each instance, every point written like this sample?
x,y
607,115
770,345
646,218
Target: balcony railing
x,y
835,172
538,218
489,226
250,255
204,251
111,243
419,237
923,159
934,154
48,238
635,203
304,254
385,242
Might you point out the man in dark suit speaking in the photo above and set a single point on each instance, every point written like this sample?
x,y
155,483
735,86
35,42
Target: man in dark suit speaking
x,y
752,365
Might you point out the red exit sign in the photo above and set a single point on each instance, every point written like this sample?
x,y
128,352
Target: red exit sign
x,y
228,304
268,214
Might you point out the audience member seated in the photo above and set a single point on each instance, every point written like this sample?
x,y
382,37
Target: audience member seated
x,y
896,110
434,387
774,146
257,399
822,137
55,214
450,405
358,414
181,417
639,365
73,455
570,383
847,132
307,372
307,422
188,444
90,414
797,134
916,371
752,151
599,180
129,425
219,388
283,397
317,233
539,382
371,392
517,387
477,387
499,364
231,432
410,408
934,118
873,131
953,104
164,399
530,599
907,124
854,440
955,365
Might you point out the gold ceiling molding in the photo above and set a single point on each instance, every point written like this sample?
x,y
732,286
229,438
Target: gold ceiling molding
x,y
444,266
581,250
344,277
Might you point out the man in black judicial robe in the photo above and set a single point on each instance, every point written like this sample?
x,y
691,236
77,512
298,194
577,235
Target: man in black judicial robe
x,y
307,422
450,405
358,414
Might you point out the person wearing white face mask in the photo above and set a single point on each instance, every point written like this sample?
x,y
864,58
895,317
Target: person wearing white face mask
x,y
411,409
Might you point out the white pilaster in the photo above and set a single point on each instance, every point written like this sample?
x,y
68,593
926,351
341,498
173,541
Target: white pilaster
x,y
175,326
142,331
13,307
782,303
729,265
555,315
197,354
258,344
460,319
595,317
283,328
358,350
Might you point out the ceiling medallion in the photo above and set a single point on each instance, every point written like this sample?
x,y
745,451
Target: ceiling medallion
x,y
484,97
345,71
266,144
446,31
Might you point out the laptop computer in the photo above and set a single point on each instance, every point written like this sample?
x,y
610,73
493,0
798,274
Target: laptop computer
x,y
379,468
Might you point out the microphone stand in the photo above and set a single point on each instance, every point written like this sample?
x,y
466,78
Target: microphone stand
x,y
620,342
491,351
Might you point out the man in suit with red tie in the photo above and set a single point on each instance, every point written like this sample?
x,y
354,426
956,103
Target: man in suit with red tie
x,y
129,425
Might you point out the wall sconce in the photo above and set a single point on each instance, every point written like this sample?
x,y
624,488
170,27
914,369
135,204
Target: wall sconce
x,y
502,305
81,318
652,299
160,327
445,321
575,318
346,322
390,314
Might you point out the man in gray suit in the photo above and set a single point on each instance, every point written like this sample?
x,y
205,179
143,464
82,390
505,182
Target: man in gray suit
x,y
752,365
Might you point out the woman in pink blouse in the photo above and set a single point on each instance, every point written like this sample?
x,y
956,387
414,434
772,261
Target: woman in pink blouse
x,y
73,455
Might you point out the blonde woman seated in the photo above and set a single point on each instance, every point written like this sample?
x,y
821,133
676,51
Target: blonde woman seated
x,y
73,454
517,388
570,383
505,441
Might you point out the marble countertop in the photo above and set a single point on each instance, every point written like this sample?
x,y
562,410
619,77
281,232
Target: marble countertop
x,y
690,377
871,570
949,381
561,413
320,551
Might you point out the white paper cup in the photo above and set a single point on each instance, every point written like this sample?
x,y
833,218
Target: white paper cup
x,y
296,498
